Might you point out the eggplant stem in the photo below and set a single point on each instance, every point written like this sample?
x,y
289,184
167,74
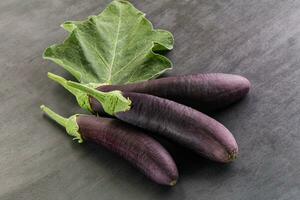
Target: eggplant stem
x,y
91,91
54,116
59,80
82,98
70,123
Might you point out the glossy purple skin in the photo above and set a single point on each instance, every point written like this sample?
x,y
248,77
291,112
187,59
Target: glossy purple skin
x,y
133,145
205,92
181,124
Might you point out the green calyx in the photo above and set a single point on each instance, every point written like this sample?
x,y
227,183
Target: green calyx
x,y
70,123
112,102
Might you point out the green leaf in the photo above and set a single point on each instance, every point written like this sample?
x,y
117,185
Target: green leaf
x,y
116,47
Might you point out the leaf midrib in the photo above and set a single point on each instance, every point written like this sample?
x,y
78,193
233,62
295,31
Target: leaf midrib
x,y
115,49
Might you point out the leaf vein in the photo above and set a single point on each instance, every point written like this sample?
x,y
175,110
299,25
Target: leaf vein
x,y
131,61
115,48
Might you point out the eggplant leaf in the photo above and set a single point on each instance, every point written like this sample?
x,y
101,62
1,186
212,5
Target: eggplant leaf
x,y
118,46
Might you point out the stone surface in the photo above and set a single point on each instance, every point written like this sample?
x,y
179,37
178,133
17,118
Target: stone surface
x,y
259,39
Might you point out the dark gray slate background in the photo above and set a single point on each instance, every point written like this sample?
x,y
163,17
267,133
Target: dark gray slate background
x,y
259,39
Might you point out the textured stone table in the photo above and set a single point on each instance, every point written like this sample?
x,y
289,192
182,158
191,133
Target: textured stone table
x,y
259,39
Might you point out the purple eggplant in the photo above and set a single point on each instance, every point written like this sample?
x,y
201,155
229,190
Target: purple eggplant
x,y
175,121
205,92
127,141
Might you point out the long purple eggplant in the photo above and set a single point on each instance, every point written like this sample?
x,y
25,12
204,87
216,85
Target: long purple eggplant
x,y
127,141
175,121
205,92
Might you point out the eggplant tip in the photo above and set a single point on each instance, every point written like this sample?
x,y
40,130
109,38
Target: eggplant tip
x,y
232,155
246,84
172,183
